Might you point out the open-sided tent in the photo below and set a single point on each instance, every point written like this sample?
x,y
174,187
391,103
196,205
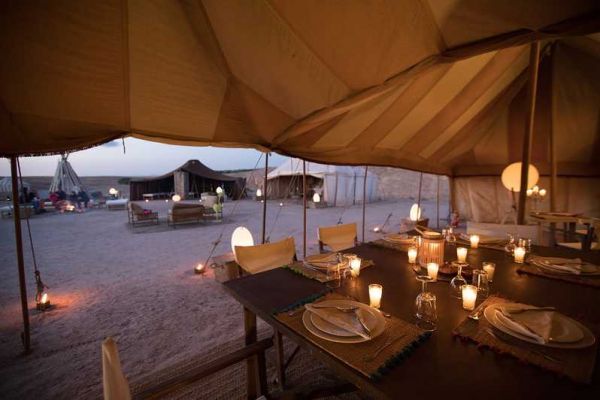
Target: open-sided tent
x,y
338,185
6,187
193,177
65,178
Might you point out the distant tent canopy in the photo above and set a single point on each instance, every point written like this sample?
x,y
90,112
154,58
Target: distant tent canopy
x,y
65,178
189,180
338,185
6,187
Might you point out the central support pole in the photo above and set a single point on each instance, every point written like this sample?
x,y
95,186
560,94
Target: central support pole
x,y
534,61
20,259
364,201
304,208
264,220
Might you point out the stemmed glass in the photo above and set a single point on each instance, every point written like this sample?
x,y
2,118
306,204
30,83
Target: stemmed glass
x,y
450,238
480,280
425,303
510,246
457,282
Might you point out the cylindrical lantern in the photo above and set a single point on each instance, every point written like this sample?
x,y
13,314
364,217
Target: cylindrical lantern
x,y
431,250
176,197
316,198
415,212
241,237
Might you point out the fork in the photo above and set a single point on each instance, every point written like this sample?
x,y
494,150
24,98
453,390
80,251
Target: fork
x,y
534,351
390,340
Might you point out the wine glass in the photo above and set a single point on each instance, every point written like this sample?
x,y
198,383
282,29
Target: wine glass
x,y
334,275
480,280
457,282
510,246
450,237
425,303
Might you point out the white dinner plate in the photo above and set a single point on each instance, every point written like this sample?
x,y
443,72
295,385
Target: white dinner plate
x,y
566,332
373,318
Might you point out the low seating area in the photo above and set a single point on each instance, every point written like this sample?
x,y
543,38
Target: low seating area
x,y
137,215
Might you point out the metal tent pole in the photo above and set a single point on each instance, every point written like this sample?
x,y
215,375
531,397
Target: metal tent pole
x,y
264,220
364,202
534,61
26,336
304,203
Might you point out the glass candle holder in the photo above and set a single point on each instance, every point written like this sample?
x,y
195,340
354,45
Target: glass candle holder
x,y
474,241
432,270
412,255
461,254
375,293
519,255
489,268
355,267
199,269
469,297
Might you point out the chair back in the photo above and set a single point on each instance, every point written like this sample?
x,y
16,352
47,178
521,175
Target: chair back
x,y
263,257
338,237
115,383
136,208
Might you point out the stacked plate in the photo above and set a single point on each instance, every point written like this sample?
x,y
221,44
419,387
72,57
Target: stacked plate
x,y
343,321
541,326
566,266
399,238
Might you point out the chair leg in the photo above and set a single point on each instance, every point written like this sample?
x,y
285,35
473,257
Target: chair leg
x,y
280,359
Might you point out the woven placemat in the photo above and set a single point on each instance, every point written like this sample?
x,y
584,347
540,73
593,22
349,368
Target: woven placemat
x,y
390,245
311,273
354,354
593,281
576,364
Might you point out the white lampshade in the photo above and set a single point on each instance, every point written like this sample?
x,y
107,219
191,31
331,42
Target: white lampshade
x,y
176,197
219,190
241,237
113,191
258,192
415,212
511,177
542,192
316,198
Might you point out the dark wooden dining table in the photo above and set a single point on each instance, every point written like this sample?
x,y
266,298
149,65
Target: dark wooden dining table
x,y
443,366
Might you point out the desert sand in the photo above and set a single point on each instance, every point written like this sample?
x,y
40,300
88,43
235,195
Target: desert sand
x,y
138,286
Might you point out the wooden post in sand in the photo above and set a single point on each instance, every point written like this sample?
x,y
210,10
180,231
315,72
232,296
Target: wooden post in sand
x,y
20,260
364,201
534,62
304,208
264,220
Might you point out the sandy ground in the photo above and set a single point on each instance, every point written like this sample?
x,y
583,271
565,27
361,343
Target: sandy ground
x,y
137,287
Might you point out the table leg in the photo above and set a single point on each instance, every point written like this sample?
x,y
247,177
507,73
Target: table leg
x,y
552,234
280,359
252,367
572,229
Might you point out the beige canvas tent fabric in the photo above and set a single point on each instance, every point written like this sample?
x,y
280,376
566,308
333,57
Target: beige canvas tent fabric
x,y
414,82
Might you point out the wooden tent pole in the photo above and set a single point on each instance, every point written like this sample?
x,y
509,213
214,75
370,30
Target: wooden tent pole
x,y
304,208
264,219
364,202
437,214
553,164
534,61
419,197
20,259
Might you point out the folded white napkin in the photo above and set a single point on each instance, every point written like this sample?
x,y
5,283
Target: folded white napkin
x,y
346,321
571,265
533,322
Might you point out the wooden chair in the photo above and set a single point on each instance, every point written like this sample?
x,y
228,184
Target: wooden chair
x,y
587,242
116,386
137,215
264,257
338,237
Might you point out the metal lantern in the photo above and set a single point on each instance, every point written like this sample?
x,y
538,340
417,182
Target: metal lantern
x,y
431,250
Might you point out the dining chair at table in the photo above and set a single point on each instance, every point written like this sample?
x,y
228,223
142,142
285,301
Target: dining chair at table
x,y
587,241
338,237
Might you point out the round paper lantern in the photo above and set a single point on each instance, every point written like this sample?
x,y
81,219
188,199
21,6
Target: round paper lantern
x,y
316,198
219,190
176,197
415,212
511,177
241,237
113,191
258,192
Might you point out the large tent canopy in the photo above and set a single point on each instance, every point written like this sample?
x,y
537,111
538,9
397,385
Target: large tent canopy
x,y
428,85
339,185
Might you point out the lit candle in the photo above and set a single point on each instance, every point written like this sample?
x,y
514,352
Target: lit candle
x,y
535,189
469,296
474,241
199,269
519,255
355,267
375,292
489,268
461,254
412,255
432,270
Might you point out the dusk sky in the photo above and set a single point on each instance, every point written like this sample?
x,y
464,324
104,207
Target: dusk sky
x,y
142,158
